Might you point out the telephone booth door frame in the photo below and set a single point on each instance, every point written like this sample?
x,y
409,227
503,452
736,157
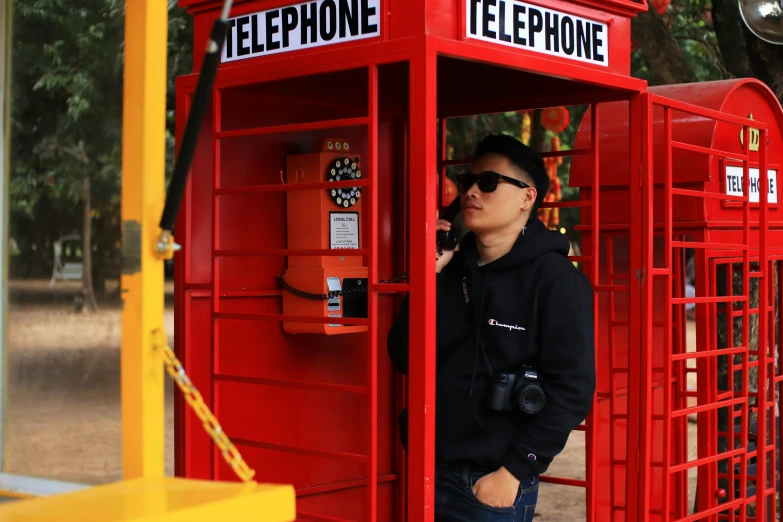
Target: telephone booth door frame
x,y
421,459
612,282
666,400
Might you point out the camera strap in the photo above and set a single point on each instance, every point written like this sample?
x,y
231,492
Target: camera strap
x,y
484,353
467,288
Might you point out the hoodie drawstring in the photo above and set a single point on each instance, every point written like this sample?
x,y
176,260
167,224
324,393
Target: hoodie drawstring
x,y
478,332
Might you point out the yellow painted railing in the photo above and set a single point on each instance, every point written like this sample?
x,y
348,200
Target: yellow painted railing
x,y
146,494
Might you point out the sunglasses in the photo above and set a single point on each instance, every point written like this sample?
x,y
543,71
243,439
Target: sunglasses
x,y
487,181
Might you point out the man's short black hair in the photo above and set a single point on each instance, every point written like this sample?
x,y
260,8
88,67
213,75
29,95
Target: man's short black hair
x,y
521,156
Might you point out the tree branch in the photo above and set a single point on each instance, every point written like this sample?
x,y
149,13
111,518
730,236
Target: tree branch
x,y
666,61
78,152
729,30
711,50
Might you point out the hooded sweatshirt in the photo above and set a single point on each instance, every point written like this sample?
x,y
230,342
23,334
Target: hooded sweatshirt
x,y
528,308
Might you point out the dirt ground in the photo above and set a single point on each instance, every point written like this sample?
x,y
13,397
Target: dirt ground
x,y
63,411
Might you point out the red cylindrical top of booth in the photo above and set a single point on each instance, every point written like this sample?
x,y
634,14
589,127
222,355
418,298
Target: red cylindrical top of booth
x,y
706,153
592,33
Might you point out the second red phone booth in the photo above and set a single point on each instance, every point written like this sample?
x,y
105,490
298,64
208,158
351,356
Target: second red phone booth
x,y
310,211
708,249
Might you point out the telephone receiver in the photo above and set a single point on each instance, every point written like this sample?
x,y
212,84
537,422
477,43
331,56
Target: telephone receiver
x,y
447,239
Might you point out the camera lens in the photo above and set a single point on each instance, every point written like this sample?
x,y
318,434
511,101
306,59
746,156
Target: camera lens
x,y
532,399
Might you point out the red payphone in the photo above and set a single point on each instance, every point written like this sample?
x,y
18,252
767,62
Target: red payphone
x,y
329,219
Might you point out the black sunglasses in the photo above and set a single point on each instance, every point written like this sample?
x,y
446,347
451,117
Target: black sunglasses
x,y
487,181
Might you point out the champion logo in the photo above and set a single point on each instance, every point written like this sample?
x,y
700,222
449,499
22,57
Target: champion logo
x,y
531,456
492,322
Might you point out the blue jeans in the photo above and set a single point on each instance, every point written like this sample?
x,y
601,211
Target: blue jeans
x,y
456,502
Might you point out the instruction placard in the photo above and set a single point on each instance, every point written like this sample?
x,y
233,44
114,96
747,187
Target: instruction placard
x,y
344,230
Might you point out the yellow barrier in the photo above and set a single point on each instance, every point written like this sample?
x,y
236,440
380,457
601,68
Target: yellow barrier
x,y
193,397
145,494
164,499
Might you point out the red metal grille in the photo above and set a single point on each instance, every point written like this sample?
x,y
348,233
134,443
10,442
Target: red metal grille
x,y
637,461
274,392
728,290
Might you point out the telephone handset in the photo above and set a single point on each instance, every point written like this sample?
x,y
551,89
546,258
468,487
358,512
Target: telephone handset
x,y
448,239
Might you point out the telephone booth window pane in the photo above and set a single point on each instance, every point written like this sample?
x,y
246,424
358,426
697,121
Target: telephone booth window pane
x,y
342,94
63,415
61,407
566,210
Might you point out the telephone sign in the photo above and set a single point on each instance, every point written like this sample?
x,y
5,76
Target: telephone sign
x,y
734,183
300,26
530,27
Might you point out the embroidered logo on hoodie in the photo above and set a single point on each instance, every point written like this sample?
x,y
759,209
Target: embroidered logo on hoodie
x,y
492,322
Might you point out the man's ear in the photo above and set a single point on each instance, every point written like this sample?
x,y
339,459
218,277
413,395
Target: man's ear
x,y
530,198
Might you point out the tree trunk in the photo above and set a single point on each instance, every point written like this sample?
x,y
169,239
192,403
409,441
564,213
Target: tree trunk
x,y
87,290
665,59
537,132
730,32
745,55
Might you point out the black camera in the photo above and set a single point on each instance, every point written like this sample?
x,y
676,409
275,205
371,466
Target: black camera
x,y
516,392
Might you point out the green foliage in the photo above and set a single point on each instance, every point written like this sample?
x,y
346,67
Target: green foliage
x,y
67,120
690,22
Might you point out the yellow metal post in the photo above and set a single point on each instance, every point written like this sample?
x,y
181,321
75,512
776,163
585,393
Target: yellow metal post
x,y
146,495
143,183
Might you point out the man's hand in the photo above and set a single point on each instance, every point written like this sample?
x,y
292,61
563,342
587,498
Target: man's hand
x,y
497,489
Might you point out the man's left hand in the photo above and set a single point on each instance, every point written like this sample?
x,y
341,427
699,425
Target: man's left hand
x,y
497,489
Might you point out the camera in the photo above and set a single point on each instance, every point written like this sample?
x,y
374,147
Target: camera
x,y
516,392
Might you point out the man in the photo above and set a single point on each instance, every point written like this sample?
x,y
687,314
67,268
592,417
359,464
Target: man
x,y
509,302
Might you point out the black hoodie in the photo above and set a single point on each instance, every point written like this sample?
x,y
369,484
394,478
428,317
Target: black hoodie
x,y
531,307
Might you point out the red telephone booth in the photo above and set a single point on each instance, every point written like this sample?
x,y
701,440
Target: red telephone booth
x,y
708,423
319,161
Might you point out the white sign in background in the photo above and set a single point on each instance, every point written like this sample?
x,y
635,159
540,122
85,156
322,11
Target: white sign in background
x,y
527,26
734,185
301,26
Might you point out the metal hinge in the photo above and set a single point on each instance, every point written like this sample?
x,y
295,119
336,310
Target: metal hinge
x,y
640,275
